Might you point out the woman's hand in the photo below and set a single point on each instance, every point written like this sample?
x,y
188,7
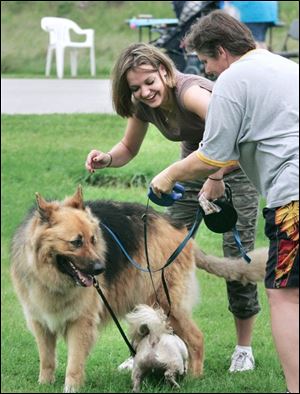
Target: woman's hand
x,y
162,183
96,160
212,189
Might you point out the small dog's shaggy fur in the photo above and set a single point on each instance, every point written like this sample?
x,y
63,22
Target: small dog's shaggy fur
x,y
60,246
157,347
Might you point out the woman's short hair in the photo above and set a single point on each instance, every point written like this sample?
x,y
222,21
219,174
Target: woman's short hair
x,y
219,29
133,57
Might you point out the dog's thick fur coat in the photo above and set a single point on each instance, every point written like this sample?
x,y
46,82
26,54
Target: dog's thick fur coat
x,y
58,248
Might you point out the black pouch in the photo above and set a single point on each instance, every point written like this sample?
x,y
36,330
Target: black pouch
x,y
225,220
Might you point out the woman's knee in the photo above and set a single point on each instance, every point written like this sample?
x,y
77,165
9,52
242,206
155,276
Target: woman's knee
x,y
283,295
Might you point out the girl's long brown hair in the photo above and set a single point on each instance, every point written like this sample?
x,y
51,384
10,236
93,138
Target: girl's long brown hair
x,y
133,57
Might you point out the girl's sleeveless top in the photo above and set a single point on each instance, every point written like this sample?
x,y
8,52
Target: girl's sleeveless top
x,y
189,127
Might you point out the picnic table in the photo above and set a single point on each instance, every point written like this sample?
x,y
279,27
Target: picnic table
x,y
151,24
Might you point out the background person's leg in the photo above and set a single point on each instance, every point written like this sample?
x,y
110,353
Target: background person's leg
x,y
243,300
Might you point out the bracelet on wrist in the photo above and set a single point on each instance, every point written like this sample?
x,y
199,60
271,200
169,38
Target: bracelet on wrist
x,y
215,179
110,159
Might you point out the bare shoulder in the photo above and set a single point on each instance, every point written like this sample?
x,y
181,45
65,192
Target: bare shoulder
x,y
196,99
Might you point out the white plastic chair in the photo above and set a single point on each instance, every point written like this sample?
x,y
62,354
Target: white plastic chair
x,y
59,39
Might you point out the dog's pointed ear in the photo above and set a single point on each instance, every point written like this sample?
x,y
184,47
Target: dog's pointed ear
x,y
44,208
76,201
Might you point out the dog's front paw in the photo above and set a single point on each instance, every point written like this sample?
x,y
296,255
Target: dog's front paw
x,y
73,381
47,376
69,389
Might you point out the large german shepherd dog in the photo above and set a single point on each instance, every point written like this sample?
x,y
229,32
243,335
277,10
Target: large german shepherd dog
x,y
60,246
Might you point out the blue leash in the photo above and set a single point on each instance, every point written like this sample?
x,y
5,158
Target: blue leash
x,y
239,245
173,255
167,200
177,193
138,266
170,259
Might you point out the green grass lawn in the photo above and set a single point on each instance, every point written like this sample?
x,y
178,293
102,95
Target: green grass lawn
x,y
47,154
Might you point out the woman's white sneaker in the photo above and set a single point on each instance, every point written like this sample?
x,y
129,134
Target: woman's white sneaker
x,y
241,360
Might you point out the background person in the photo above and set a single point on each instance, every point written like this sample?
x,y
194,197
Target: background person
x,y
253,118
172,38
147,89
258,16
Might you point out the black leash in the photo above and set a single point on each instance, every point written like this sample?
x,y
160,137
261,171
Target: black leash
x,y
173,256
149,270
170,259
97,287
145,217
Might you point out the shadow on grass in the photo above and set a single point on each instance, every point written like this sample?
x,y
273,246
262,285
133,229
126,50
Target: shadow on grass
x,y
137,180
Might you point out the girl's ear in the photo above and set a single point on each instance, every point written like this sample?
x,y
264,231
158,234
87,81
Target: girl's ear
x,y
163,74
162,70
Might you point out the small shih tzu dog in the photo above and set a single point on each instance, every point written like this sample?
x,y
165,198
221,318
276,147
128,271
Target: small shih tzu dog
x,y
157,348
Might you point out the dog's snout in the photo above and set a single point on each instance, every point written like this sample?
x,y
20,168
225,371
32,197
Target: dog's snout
x,y
98,267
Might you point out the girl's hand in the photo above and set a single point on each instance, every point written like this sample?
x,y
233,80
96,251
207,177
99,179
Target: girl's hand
x,y
96,160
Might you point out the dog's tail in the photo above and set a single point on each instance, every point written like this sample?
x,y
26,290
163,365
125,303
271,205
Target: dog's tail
x,y
235,268
144,320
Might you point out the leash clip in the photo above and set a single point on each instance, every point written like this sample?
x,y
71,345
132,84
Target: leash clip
x,y
95,283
